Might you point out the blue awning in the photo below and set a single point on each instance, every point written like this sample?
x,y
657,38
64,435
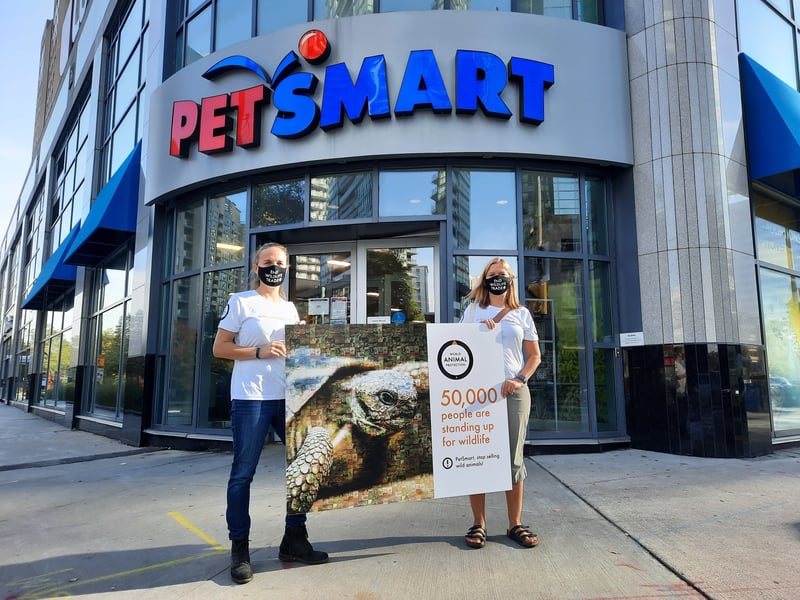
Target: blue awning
x,y
112,218
55,278
772,127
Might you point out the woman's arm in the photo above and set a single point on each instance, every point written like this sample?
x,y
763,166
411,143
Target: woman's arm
x,y
531,348
226,347
534,355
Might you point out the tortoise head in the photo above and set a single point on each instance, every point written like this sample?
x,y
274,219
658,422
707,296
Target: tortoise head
x,y
381,401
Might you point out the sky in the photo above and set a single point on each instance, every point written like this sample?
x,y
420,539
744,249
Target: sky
x,y
21,28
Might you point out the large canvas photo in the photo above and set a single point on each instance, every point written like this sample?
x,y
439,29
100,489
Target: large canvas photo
x,y
358,428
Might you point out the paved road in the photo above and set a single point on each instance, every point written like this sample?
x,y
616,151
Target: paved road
x,y
86,517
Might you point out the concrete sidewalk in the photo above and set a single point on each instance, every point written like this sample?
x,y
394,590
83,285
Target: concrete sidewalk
x,y
86,517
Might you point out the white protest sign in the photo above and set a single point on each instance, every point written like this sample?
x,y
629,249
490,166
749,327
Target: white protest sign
x,y
469,420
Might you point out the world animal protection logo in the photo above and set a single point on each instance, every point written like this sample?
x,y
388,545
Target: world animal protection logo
x,y
302,103
455,359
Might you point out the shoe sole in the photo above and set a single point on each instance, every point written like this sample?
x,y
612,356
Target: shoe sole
x,y
291,558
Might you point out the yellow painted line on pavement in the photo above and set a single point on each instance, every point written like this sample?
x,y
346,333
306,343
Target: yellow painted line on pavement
x,y
195,530
37,580
60,590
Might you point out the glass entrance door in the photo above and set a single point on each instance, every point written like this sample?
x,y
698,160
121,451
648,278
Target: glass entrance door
x,y
320,279
376,281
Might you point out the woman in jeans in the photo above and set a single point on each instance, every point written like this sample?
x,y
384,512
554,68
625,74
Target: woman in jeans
x,y
495,303
251,333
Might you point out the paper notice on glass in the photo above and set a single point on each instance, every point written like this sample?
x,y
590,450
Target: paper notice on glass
x,y
318,306
338,310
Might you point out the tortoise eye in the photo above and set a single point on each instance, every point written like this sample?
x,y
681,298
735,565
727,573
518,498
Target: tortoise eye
x,y
387,398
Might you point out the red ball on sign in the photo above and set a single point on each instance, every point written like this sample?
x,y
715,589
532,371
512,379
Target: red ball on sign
x,y
314,46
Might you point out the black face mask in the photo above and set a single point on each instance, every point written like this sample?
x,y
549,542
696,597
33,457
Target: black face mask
x,y
498,284
272,275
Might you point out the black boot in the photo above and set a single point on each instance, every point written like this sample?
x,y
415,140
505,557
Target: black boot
x,y
295,546
241,571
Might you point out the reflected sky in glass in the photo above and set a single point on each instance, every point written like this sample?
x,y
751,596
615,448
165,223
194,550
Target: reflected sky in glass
x,y
768,39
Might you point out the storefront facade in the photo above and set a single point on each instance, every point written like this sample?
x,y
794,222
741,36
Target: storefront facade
x,y
393,150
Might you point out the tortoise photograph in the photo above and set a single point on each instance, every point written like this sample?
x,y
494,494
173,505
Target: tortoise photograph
x,y
358,416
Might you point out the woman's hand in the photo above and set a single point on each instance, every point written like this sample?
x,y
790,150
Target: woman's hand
x,y
510,386
276,349
489,323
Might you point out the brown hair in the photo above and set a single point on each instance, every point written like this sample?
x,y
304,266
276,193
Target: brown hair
x,y
480,292
254,281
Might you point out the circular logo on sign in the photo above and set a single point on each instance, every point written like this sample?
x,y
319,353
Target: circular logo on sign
x,y
455,359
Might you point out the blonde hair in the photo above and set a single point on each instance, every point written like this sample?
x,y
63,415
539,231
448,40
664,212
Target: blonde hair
x,y
480,293
254,281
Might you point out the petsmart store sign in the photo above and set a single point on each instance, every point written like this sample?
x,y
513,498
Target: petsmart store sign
x,y
301,103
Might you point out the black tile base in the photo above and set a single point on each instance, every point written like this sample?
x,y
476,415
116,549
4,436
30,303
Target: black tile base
x,y
722,411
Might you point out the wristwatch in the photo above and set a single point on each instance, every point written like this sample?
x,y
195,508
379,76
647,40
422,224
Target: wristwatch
x,y
521,377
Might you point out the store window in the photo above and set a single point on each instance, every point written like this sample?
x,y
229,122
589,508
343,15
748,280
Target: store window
x,y
215,382
34,248
397,5
194,39
325,9
560,256
781,307
605,392
400,284
70,188
125,97
279,203
339,197
226,223
186,320
774,51
581,10
234,22
277,14
56,381
27,331
565,220
189,238
778,246
8,297
603,363
484,209
597,210
14,269
109,324
551,216
560,404
411,193
206,26
494,5
322,275
209,245
6,348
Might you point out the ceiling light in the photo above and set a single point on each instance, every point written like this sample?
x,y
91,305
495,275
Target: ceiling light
x,y
231,247
337,263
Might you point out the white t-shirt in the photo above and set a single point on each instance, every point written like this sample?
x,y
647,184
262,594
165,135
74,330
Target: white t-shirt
x,y
255,323
515,327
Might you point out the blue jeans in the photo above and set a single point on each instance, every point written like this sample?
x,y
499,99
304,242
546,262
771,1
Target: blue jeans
x,y
250,422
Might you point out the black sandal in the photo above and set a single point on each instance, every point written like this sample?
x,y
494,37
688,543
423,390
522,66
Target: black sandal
x,y
476,536
523,536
